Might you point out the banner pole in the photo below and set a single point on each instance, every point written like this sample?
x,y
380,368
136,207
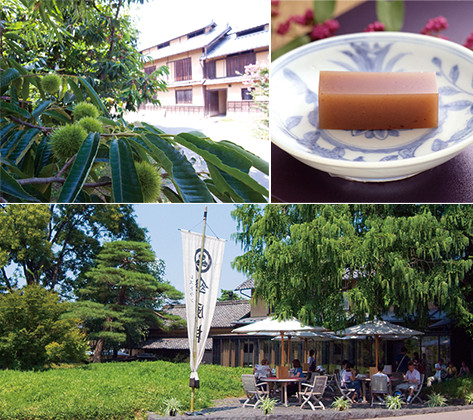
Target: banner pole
x,y
197,293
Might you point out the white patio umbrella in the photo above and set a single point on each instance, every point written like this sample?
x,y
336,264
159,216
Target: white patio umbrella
x,y
283,328
377,329
306,335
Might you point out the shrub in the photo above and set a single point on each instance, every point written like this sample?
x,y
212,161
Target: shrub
x,y
267,405
455,388
34,332
469,398
394,402
172,407
341,404
436,400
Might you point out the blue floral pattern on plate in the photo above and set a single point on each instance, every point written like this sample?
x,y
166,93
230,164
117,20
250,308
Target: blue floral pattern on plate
x,y
295,108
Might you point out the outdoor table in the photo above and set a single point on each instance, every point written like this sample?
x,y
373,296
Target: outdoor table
x,y
284,382
365,380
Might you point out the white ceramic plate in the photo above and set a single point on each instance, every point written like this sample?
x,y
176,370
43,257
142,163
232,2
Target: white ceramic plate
x,y
372,155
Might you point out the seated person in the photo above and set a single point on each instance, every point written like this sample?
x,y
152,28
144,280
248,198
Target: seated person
x,y
293,387
411,382
440,372
451,371
383,375
348,380
262,371
464,370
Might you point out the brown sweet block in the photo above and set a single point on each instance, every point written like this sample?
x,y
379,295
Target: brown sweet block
x,y
377,101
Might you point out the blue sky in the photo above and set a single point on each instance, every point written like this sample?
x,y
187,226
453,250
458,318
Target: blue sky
x,y
163,222
161,20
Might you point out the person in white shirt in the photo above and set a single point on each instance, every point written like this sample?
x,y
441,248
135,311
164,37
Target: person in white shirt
x,y
348,380
262,371
383,375
440,372
411,381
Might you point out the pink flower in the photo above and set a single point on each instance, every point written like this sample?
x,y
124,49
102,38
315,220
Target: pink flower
x,y
434,26
469,42
332,25
274,2
300,19
374,27
309,16
283,27
306,19
319,32
324,30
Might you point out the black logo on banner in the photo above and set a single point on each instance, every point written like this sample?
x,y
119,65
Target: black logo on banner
x,y
206,260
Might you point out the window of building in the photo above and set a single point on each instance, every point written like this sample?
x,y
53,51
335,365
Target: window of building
x,y
246,94
150,69
237,62
259,28
183,69
196,33
184,96
248,353
164,44
210,70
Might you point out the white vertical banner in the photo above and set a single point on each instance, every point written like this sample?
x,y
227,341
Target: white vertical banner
x,y
200,313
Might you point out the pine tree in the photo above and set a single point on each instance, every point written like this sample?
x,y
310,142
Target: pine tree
x,y
123,294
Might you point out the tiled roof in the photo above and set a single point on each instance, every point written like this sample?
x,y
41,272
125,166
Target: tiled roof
x,y
225,316
197,42
247,284
232,43
171,344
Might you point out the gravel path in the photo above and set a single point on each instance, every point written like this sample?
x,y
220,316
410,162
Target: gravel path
x,y
232,408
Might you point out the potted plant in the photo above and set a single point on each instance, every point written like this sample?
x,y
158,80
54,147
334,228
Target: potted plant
x,y
172,407
341,404
394,402
469,398
436,400
267,405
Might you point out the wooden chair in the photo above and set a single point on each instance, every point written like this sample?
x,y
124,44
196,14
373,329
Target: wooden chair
x,y
344,391
314,391
418,390
379,386
253,391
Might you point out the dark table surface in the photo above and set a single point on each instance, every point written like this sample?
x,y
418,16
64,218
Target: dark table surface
x,y
452,182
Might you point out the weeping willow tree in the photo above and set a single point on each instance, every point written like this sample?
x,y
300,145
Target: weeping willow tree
x,y
309,261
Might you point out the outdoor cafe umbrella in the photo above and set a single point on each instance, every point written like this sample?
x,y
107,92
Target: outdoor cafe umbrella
x,y
377,329
272,325
305,335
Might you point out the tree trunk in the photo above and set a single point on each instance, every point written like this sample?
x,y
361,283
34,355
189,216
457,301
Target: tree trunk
x,y
98,351
6,279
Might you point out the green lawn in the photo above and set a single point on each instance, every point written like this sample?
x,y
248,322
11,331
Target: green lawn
x,y
111,390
